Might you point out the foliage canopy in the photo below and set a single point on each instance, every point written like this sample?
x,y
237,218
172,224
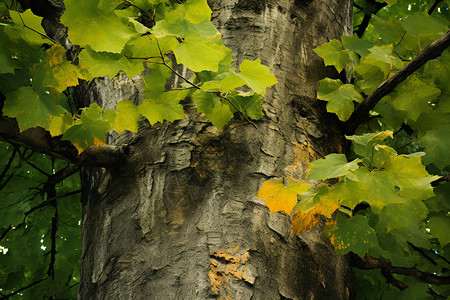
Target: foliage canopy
x,y
379,203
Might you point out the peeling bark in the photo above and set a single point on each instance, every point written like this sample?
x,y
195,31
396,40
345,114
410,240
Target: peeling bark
x,y
179,218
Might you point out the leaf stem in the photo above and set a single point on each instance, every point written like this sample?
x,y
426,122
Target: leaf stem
x,y
26,26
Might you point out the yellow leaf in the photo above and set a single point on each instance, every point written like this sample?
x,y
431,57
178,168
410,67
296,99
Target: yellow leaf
x,y
302,222
278,197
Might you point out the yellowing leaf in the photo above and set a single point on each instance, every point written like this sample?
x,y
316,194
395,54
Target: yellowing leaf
x,y
279,197
352,234
302,222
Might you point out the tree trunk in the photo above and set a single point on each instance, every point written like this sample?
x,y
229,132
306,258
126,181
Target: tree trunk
x,y
179,219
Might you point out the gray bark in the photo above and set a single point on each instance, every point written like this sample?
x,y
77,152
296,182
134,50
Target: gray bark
x,y
179,219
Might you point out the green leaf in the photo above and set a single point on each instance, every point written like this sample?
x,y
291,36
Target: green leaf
x,y
333,165
30,20
437,147
354,44
165,106
146,46
384,54
89,130
257,76
199,53
376,188
439,225
208,103
91,23
100,64
30,108
424,25
364,147
333,55
126,117
224,82
413,96
352,234
340,97
249,103
409,174
412,213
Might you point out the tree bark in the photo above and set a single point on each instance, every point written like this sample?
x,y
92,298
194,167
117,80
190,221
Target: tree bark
x,y
179,218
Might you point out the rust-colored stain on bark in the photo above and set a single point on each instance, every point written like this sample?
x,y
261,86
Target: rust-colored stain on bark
x,y
303,155
226,265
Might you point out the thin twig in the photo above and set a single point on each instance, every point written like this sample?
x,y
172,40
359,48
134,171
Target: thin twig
x,y
4,297
5,232
26,26
217,93
51,200
8,165
140,9
30,163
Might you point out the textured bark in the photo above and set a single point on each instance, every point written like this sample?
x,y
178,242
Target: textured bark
x,y
179,218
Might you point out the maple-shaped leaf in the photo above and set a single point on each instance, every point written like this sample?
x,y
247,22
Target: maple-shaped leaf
x,y
95,24
413,96
257,76
333,54
409,175
30,20
125,117
198,53
374,187
100,64
339,96
412,213
333,165
163,106
422,24
56,72
352,234
279,197
437,147
31,108
89,130
195,11
193,16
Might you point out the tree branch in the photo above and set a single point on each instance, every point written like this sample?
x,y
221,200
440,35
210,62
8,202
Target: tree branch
x,y
4,297
436,3
361,113
368,263
366,19
40,140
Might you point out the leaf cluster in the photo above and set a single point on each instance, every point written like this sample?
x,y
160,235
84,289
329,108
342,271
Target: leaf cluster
x,y
387,202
